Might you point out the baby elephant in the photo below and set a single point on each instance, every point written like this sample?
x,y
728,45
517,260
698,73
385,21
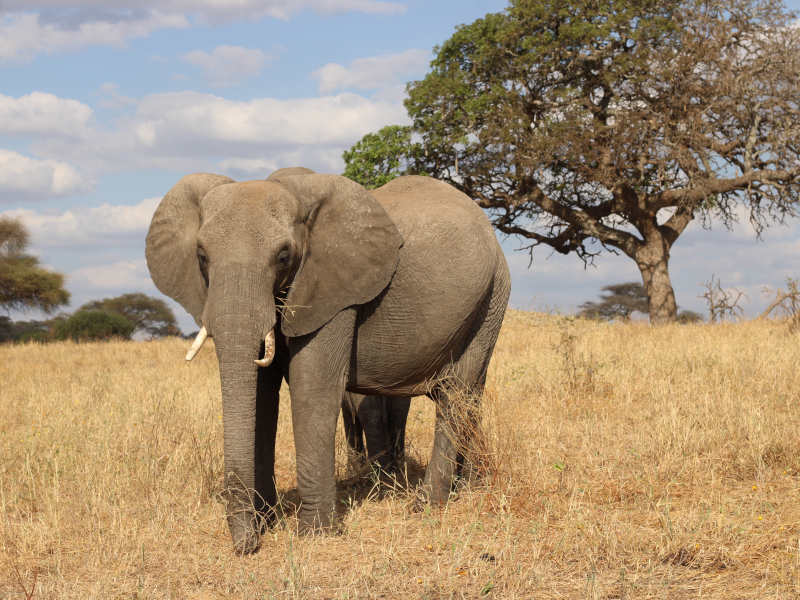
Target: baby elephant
x,y
382,421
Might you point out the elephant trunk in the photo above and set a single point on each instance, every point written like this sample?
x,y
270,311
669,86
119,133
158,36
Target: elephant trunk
x,y
241,313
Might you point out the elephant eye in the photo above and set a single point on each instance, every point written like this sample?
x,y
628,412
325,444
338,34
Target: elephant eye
x,y
283,257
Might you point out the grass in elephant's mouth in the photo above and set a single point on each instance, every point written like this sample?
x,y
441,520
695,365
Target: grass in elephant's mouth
x,y
624,462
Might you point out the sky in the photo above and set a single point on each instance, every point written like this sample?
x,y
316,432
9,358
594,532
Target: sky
x,y
104,105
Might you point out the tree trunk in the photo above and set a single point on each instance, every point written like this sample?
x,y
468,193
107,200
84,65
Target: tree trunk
x,y
652,258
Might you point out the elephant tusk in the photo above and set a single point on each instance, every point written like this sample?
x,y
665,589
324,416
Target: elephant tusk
x,y
269,350
198,343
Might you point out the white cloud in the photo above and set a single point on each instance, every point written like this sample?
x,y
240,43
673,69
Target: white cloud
x,y
75,12
110,97
319,159
117,276
372,73
87,226
228,65
28,28
248,168
44,114
22,177
190,131
24,35
178,118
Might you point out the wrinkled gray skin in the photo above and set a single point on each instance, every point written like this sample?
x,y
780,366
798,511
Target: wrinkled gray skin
x,y
383,292
381,420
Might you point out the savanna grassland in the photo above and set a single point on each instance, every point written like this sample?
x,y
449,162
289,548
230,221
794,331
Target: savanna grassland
x,y
620,461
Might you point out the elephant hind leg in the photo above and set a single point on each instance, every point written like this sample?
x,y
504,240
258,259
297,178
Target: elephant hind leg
x,y
455,430
458,443
353,430
381,421
397,412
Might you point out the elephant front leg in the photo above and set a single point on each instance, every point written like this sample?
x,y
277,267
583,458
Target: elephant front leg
x,y
267,401
318,369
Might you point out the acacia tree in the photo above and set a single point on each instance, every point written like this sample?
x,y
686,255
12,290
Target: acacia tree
x,y
603,125
23,283
92,325
621,300
616,300
147,314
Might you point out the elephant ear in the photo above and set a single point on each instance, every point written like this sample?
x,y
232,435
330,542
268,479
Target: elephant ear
x,y
171,248
351,251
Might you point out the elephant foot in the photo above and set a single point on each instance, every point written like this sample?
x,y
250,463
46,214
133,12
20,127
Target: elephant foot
x,y
436,489
245,526
311,522
248,517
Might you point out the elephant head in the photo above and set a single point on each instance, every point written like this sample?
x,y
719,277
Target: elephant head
x,y
225,251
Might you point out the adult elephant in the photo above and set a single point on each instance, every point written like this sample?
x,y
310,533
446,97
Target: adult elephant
x,y
400,292
381,421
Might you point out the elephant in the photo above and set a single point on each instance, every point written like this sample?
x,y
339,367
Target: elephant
x,y
382,421
397,291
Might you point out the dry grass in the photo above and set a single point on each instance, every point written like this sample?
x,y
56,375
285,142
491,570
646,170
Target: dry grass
x,y
627,462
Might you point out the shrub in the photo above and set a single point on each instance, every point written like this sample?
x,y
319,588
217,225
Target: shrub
x,y
94,325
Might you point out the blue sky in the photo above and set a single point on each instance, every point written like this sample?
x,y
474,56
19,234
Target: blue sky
x,y
105,105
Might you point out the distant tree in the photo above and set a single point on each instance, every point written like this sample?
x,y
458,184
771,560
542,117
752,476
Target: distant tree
x,y
689,316
149,315
23,283
377,158
92,325
36,331
27,331
722,303
788,300
14,237
589,125
6,329
619,300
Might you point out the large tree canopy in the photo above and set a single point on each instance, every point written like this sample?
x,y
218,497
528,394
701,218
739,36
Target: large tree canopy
x,y
23,283
591,126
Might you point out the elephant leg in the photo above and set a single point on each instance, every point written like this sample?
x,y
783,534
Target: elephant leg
x,y
441,469
318,369
470,371
397,413
372,412
353,431
267,400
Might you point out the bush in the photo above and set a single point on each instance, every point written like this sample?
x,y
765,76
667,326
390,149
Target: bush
x,y
94,325
149,315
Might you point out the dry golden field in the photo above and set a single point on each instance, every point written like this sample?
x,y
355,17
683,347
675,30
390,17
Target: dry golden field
x,y
626,462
